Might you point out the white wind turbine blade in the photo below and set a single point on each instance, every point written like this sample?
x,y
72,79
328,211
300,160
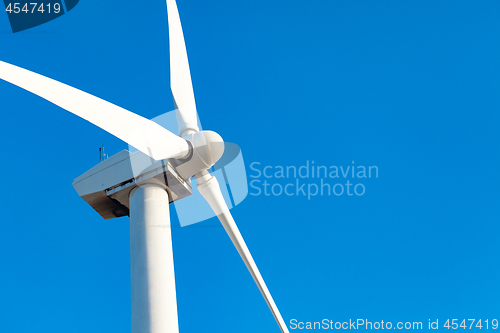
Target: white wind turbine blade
x,y
180,76
211,191
141,133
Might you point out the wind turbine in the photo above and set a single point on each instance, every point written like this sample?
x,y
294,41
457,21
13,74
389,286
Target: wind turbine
x,y
113,190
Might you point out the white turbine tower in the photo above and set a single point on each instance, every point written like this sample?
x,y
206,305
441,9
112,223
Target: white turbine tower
x,y
113,189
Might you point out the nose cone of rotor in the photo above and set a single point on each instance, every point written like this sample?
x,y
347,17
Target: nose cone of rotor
x,y
209,145
216,145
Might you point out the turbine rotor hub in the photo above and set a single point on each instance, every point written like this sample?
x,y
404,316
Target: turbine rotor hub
x,y
207,149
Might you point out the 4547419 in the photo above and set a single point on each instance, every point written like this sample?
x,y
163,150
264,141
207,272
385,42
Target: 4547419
x,y
471,324
33,7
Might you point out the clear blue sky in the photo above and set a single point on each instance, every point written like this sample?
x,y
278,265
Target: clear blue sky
x,y
411,87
